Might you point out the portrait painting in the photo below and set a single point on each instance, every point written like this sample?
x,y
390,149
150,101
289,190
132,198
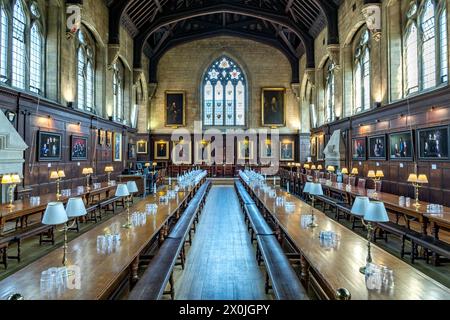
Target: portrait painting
x,y
274,107
49,146
78,148
400,146
181,152
109,136
117,147
175,108
320,147
101,137
245,150
314,147
266,149
377,148
162,150
203,152
359,148
142,147
433,143
131,151
287,151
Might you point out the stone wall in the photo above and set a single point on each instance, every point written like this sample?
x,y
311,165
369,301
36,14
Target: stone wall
x,y
182,68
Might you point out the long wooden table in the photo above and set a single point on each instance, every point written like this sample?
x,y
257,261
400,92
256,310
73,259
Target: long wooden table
x,y
391,202
24,208
101,274
331,269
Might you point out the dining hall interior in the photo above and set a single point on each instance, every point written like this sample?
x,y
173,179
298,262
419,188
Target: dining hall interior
x,y
224,150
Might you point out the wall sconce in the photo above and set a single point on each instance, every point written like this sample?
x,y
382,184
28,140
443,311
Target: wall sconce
x,y
10,115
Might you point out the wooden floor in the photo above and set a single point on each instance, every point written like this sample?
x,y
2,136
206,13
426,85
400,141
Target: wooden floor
x,y
221,263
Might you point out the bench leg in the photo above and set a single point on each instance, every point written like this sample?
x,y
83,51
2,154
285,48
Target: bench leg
x,y
172,291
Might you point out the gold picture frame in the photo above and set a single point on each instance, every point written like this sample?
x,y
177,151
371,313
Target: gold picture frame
x,y
287,150
161,150
172,101
271,105
242,151
205,145
142,147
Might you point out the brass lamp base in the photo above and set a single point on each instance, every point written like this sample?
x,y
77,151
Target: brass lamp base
x,y
313,225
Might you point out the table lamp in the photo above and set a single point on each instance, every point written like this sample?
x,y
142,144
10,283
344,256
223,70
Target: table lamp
x,y
11,180
306,166
354,172
417,181
319,167
122,191
132,189
56,215
331,169
344,171
108,170
58,176
313,167
87,172
154,167
313,189
75,208
375,176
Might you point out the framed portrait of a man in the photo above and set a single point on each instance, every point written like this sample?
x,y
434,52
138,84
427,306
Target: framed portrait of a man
x,y
181,152
359,148
131,151
287,151
117,147
274,107
245,150
50,145
320,147
142,147
314,147
175,108
266,149
377,148
161,150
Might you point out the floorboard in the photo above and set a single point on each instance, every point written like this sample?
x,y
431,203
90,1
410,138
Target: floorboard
x,y
221,263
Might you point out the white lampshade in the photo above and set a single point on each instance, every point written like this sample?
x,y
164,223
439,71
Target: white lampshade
x,y
307,188
376,212
122,191
75,208
132,187
316,190
360,205
55,214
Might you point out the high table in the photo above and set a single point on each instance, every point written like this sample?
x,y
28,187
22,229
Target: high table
x,y
391,202
328,269
100,274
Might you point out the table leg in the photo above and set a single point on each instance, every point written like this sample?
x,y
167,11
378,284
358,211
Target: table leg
x,y
435,230
304,271
134,271
424,224
2,225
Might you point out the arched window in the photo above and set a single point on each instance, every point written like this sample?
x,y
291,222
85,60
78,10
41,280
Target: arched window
x,y
224,94
18,45
86,71
330,92
4,35
426,61
21,45
118,91
362,73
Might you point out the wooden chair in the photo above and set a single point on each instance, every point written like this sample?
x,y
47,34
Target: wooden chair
x,y
352,181
333,177
345,179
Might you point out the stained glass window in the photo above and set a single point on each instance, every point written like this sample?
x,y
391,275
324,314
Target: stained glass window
x,y
224,94
362,73
35,59
427,25
411,64
444,43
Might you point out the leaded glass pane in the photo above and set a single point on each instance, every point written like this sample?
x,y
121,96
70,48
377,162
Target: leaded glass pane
x,y
358,88
89,86
428,46
208,104
240,104
366,80
229,104
218,107
3,46
411,64
80,78
444,48
35,59
18,46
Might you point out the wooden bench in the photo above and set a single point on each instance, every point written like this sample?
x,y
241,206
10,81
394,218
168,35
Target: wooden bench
x,y
244,197
285,282
257,224
430,244
154,281
28,232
